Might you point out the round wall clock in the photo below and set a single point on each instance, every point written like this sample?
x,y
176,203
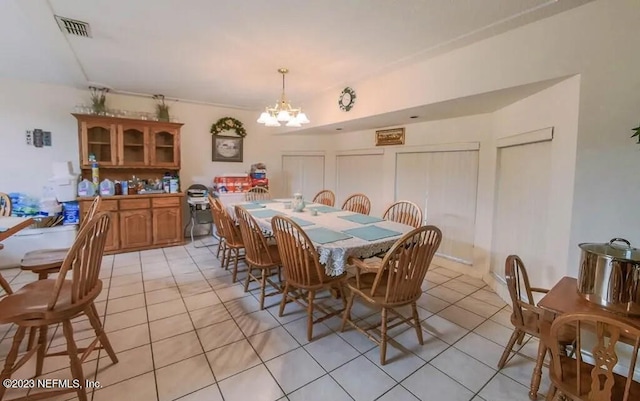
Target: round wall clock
x,y
347,99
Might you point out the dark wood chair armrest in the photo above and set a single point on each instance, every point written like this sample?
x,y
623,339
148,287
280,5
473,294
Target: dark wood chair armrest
x,y
540,290
362,266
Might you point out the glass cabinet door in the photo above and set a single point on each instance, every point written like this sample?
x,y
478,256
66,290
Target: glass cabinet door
x,y
99,141
165,147
133,150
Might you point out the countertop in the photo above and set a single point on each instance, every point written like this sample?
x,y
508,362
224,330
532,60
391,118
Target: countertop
x,y
164,195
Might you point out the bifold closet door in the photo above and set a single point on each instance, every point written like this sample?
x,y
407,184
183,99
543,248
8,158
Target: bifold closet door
x,y
521,202
360,174
444,184
302,173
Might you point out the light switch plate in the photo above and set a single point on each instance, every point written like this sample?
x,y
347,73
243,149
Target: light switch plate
x,y
29,137
46,138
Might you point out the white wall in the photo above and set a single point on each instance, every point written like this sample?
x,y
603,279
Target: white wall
x,y
600,42
555,107
28,105
25,106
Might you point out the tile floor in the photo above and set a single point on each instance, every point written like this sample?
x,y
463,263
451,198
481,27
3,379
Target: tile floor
x,y
183,331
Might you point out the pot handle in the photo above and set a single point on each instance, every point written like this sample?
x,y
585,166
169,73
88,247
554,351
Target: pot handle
x,y
620,240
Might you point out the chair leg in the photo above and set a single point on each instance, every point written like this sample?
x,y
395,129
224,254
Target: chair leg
x,y
42,348
235,264
11,357
92,313
285,294
416,319
383,339
536,376
225,257
76,366
312,296
246,280
551,394
32,338
347,311
5,285
514,336
521,338
263,285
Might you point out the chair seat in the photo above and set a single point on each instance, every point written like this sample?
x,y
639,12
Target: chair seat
x,y
368,265
43,259
364,290
569,380
30,302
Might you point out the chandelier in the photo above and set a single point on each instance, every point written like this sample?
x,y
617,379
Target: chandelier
x,y
282,112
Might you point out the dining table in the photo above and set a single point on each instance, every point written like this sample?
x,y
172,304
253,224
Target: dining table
x,y
10,225
337,234
564,298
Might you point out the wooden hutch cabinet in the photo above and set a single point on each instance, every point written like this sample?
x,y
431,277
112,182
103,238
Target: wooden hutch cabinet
x,y
124,148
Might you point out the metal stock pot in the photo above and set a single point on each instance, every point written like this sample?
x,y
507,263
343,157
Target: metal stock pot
x,y
610,275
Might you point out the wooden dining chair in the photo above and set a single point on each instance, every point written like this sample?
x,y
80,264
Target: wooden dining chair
x,y
215,205
404,212
526,316
325,197
47,261
257,193
5,205
357,203
5,211
259,255
233,245
47,302
398,282
304,276
578,378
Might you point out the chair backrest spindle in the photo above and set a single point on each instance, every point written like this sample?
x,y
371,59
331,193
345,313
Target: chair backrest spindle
x,y
83,259
357,203
404,212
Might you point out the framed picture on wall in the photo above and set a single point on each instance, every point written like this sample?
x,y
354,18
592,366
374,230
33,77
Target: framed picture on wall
x,y
226,148
393,136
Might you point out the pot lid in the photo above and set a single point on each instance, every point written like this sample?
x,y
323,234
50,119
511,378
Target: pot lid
x,y
618,248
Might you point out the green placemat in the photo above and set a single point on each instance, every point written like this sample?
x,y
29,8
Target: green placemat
x,y
301,223
322,235
361,218
250,206
371,233
265,214
325,209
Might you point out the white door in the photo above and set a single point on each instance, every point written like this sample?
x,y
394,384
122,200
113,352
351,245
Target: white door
x,y
520,216
360,174
445,185
304,174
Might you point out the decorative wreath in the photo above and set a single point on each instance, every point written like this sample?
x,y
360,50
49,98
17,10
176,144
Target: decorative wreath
x,y
228,124
347,99
637,132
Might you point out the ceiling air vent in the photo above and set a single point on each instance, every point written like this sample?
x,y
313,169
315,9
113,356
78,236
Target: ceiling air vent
x,y
73,27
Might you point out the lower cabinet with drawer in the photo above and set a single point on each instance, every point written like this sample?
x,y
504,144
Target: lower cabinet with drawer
x,y
141,222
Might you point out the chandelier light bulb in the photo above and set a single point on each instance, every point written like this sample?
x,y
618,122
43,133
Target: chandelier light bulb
x,y
263,118
302,118
283,112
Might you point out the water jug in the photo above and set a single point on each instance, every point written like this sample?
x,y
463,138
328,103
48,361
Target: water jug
x,y
86,188
297,204
107,188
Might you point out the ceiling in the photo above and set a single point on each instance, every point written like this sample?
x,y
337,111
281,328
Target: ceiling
x,y
227,52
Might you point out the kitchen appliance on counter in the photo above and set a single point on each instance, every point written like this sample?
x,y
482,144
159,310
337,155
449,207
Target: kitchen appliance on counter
x,y
610,275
